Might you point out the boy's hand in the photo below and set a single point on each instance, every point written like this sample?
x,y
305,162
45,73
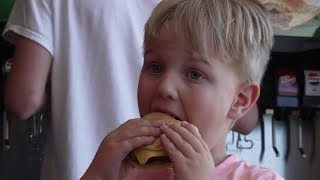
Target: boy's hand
x,y
109,162
188,152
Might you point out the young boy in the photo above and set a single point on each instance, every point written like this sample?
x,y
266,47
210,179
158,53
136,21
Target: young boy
x,y
203,62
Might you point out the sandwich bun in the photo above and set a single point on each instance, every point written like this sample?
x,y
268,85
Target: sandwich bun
x,y
153,156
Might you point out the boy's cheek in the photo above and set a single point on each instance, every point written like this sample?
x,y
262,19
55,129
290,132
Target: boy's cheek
x,y
144,100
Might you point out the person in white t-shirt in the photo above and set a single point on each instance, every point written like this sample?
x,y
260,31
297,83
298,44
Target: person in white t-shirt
x,y
88,55
93,53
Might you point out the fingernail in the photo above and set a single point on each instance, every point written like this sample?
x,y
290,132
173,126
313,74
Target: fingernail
x,y
184,122
164,126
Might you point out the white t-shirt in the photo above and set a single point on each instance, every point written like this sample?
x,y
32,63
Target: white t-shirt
x,y
97,48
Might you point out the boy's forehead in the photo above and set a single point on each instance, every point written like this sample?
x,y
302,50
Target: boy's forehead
x,y
177,32
158,45
190,55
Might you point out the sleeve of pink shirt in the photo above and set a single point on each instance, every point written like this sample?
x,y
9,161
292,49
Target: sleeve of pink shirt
x,y
235,169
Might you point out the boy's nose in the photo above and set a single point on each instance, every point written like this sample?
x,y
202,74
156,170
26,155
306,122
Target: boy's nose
x,y
167,88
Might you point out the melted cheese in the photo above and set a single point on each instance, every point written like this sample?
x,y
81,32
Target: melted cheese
x,y
144,155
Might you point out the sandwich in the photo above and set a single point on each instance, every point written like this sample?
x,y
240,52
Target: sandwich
x,y
153,156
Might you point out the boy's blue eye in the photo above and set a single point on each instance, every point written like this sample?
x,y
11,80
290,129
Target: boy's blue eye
x,y
194,75
155,68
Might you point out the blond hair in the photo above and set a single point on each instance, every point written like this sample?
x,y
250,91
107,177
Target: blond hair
x,y
235,31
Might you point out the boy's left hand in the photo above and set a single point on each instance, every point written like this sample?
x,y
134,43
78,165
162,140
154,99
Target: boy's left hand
x,y
189,153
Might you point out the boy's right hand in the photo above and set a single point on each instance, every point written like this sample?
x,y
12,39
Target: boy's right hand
x,y
190,155
109,161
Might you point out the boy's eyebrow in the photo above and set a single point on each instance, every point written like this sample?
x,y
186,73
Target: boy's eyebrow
x,y
200,60
197,58
193,56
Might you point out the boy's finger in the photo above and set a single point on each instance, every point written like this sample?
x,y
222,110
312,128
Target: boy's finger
x,y
187,138
136,123
194,130
143,122
137,132
130,128
179,142
156,123
128,145
174,154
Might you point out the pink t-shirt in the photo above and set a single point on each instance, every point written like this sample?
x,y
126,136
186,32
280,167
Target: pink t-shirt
x,y
231,169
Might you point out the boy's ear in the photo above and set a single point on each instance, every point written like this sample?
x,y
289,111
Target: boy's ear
x,y
247,96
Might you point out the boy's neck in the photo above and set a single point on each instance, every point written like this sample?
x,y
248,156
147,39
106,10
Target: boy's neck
x,y
219,154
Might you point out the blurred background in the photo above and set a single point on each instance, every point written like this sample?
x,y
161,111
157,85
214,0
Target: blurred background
x,y
285,139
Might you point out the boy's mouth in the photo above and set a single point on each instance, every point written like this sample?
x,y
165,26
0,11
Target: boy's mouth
x,y
166,111
174,117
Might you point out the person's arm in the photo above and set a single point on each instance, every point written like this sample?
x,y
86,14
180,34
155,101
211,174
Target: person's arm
x,y
25,91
